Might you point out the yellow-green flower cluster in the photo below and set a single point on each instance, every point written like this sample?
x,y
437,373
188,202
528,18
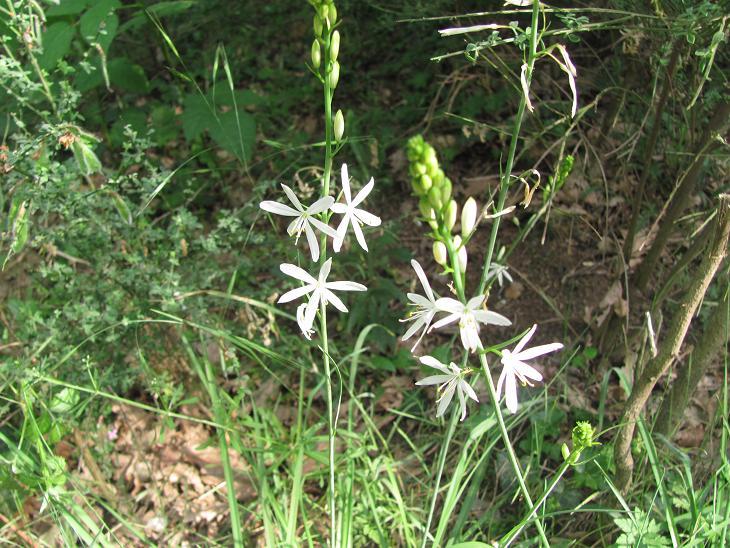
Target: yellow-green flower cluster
x,y
429,182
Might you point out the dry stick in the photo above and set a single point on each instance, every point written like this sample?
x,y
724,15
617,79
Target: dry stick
x,y
690,372
649,149
680,200
671,345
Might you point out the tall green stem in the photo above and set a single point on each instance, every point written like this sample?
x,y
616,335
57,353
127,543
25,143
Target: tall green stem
x,y
508,445
506,175
328,155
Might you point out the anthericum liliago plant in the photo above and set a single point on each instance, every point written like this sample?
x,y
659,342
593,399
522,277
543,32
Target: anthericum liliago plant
x,y
320,292
470,312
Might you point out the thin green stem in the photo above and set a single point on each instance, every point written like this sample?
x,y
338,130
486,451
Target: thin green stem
x,y
328,156
506,175
508,445
440,471
509,537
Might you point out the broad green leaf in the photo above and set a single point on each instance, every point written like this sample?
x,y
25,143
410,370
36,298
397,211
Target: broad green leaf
x,y
67,7
127,76
196,116
99,24
56,44
236,134
165,124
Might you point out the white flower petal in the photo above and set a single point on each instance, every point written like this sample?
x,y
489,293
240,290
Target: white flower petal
x,y
312,241
367,218
295,272
339,208
295,294
525,87
311,311
325,270
526,370
364,192
451,318
430,361
323,204
434,379
510,390
524,340
423,279
319,225
466,387
345,183
345,286
330,297
415,326
462,403
279,209
340,235
536,351
489,317
359,235
445,400
292,198
447,304
475,302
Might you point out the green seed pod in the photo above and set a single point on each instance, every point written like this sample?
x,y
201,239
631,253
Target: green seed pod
x,y
468,216
450,215
434,196
440,253
316,54
335,45
446,190
339,125
334,75
317,26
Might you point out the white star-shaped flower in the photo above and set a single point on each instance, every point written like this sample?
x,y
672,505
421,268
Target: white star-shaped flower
x,y
321,291
425,309
452,380
469,315
516,368
304,219
352,215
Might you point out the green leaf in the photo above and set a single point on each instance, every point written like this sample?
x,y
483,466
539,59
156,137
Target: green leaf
x,y
67,7
471,544
196,116
235,133
56,44
161,9
127,76
99,24
164,121
122,208
85,158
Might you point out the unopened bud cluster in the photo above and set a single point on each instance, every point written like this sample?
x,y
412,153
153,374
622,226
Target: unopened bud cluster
x,y
325,52
436,204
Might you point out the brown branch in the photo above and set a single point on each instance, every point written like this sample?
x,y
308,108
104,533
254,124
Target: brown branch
x,y
691,372
680,201
671,345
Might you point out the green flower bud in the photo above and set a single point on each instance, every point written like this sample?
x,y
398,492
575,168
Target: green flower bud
x,y
582,435
424,206
335,45
323,11
445,190
426,182
460,253
334,75
565,451
434,196
468,216
317,26
440,253
332,14
450,216
339,125
438,176
316,54
431,160
420,168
